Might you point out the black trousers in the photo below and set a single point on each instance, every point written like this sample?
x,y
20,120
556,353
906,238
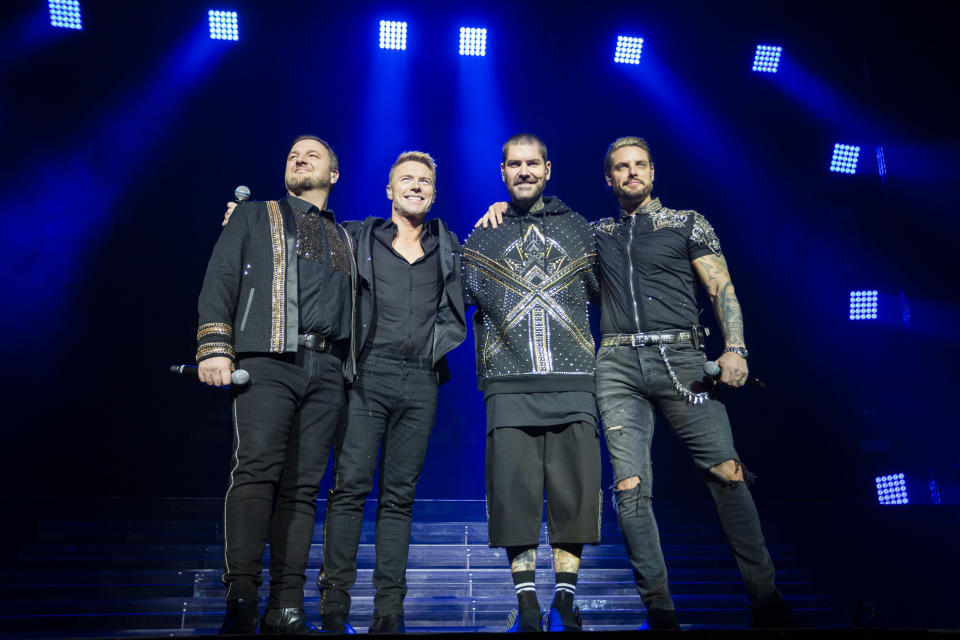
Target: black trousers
x,y
391,409
284,424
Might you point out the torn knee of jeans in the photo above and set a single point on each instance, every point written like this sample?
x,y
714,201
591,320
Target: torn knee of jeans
x,y
616,428
730,473
627,483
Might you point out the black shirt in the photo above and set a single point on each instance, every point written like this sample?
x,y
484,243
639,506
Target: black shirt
x,y
540,409
646,271
406,295
323,271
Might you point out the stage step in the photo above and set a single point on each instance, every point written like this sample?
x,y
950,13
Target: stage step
x,y
136,571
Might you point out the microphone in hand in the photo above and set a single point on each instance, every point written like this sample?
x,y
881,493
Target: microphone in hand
x,y
713,369
239,377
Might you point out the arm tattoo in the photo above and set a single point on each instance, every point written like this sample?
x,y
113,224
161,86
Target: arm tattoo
x,y
727,308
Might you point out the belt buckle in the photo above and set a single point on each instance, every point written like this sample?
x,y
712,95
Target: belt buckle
x,y
638,340
315,341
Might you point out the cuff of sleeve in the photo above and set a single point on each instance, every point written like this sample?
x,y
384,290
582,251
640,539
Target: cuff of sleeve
x,y
215,328
215,349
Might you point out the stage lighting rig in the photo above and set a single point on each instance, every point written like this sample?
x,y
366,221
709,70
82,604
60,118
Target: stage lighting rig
x,y
473,41
863,305
892,489
393,34
223,25
845,157
65,14
767,58
628,49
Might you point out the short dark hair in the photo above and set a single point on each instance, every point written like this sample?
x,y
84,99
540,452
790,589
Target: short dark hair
x,y
619,143
525,138
334,162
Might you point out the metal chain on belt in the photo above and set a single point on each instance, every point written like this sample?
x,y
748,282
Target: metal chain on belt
x,y
692,398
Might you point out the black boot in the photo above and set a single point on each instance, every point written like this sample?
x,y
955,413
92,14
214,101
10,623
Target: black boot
x,y
391,623
336,622
661,620
563,615
775,613
241,618
525,620
286,622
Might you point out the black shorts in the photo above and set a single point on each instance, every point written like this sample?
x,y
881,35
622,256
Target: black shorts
x,y
523,463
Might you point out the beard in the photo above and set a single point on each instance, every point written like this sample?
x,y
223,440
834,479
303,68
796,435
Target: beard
x,y
527,200
297,184
634,197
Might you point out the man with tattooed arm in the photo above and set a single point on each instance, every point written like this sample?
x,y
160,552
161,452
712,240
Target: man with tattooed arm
x,y
651,357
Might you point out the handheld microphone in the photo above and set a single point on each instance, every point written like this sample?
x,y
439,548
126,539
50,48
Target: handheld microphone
x,y
239,377
712,369
241,194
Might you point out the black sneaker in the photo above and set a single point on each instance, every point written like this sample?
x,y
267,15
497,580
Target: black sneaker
x,y
525,621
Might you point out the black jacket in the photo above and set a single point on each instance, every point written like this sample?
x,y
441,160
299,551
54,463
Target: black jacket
x,y
531,279
249,300
450,326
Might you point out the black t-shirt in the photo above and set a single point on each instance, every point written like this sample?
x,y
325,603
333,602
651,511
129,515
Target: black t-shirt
x,y
323,272
540,409
646,271
407,295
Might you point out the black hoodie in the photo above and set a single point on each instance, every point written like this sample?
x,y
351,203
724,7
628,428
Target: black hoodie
x,y
531,279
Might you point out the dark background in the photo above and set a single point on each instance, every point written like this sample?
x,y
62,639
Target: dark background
x,y
123,141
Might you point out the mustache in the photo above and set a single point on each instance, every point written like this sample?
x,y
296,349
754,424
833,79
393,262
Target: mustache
x,y
524,181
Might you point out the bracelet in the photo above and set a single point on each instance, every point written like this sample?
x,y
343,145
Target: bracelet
x,y
740,351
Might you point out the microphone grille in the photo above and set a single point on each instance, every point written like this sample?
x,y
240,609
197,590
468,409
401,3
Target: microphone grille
x,y
242,193
240,377
711,368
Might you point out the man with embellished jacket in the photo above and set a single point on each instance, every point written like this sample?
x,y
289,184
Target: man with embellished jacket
x,y
278,301
531,279
410,315
651,357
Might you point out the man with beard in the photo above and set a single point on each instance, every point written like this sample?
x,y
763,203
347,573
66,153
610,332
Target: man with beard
x,y
410,314
277,301
651,357
531,279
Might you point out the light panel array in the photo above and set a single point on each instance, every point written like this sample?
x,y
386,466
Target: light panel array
x,y
628,49
65,14
892,489
845,157
767,58
473,41
223,25
393,34
863,305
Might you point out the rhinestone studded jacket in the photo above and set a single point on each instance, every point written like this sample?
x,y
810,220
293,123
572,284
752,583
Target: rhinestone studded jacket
x,y
531,279
249,299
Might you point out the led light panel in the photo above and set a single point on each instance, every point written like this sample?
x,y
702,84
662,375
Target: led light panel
x,y
65,14
767,58
393,34
223,25
628,50
845,157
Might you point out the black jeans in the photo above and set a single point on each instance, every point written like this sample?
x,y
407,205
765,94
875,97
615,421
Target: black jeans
x,y
631,384
284,424
391,408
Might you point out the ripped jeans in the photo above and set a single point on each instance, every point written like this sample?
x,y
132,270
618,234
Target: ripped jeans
x,y
632,383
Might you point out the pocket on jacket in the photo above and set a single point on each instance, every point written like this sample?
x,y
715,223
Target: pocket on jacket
x,y
246,312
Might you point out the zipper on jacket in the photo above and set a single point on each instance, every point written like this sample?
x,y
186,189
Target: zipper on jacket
x,y
353,301
633,295
243,323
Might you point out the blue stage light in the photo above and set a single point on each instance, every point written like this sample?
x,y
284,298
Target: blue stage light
x,y
473,41
863,305
393,35
767,58
65,14
223,25
845,157
628,49
892,489
881,164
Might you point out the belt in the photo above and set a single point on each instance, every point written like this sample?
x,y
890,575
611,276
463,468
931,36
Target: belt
x,y
319,343
696,336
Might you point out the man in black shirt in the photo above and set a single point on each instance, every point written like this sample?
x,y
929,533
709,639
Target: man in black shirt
x,y
651,357
410,314
531,278
277,300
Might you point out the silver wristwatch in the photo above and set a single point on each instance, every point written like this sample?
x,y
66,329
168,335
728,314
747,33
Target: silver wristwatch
x,y
740,351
